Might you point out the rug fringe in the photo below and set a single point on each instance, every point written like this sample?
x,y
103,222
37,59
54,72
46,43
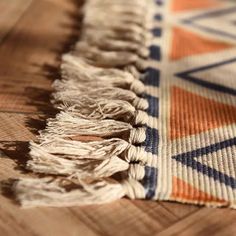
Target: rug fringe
x,y
77,72
67,125
100,95
65,192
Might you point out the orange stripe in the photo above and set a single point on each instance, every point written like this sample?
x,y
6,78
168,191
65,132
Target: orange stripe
x,y
193,114
186,43
185,191
183,5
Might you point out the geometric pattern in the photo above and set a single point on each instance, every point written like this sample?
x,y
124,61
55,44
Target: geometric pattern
x,y
192,44
191,82
190,193
190,159
198,114
207,22
183,5
210,83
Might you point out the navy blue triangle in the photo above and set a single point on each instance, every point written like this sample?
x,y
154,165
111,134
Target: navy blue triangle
x,y
193,22
190,159
187,75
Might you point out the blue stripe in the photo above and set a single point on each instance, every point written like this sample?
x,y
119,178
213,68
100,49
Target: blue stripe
x,y
152,135
207,67
152,141
153,108
152,77
217,87
159,2
155,52
157,32
208,149
149,181
210,172
217,13
188,160
158,17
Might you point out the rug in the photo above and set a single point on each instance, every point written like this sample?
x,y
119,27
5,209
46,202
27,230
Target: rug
x,y
147,108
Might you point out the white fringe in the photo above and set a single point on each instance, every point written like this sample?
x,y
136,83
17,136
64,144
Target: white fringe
x,y
67,125
100,95
107,94
74,192
74,158
75,70
66,192
74,149
114,109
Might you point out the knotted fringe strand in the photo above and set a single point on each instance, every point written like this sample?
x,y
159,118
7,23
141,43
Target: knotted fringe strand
x,y
70,192
76,70
66,125
100,95
91,159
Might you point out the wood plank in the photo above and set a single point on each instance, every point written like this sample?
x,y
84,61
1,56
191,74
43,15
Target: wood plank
x,y
125,217
207,221
67,4
15,127
47,221
11,11
31,94
23,90
38,39
180,210
25,104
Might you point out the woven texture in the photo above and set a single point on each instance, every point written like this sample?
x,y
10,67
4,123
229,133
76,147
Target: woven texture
x,y
157,93
191,92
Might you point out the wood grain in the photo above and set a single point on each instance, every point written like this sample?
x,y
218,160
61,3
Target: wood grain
x,y
204,222
11,11
36,33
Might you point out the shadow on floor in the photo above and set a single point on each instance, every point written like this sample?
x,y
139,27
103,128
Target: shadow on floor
x,y
40,97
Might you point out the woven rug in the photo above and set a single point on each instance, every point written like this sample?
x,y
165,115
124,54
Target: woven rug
x,y
147,108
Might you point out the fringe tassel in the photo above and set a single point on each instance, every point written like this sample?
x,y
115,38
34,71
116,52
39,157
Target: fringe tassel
x,y
75,70
100,95
73,165
106,59
74,158
114,109
73,149
113,34
91,159
107,94
63,192
65,125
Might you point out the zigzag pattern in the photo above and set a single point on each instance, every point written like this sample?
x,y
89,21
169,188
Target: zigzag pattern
x,y
189,75
195,145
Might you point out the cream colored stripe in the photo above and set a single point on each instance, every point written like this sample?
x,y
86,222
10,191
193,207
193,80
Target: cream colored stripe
x,y
153,122
203,182
193,142
152,90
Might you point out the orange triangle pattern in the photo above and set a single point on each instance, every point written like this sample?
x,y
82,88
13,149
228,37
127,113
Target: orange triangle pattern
x,y
193,114
183,5
186,43
185,191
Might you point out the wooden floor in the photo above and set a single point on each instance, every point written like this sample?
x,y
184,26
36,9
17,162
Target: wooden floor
x,y
33,34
